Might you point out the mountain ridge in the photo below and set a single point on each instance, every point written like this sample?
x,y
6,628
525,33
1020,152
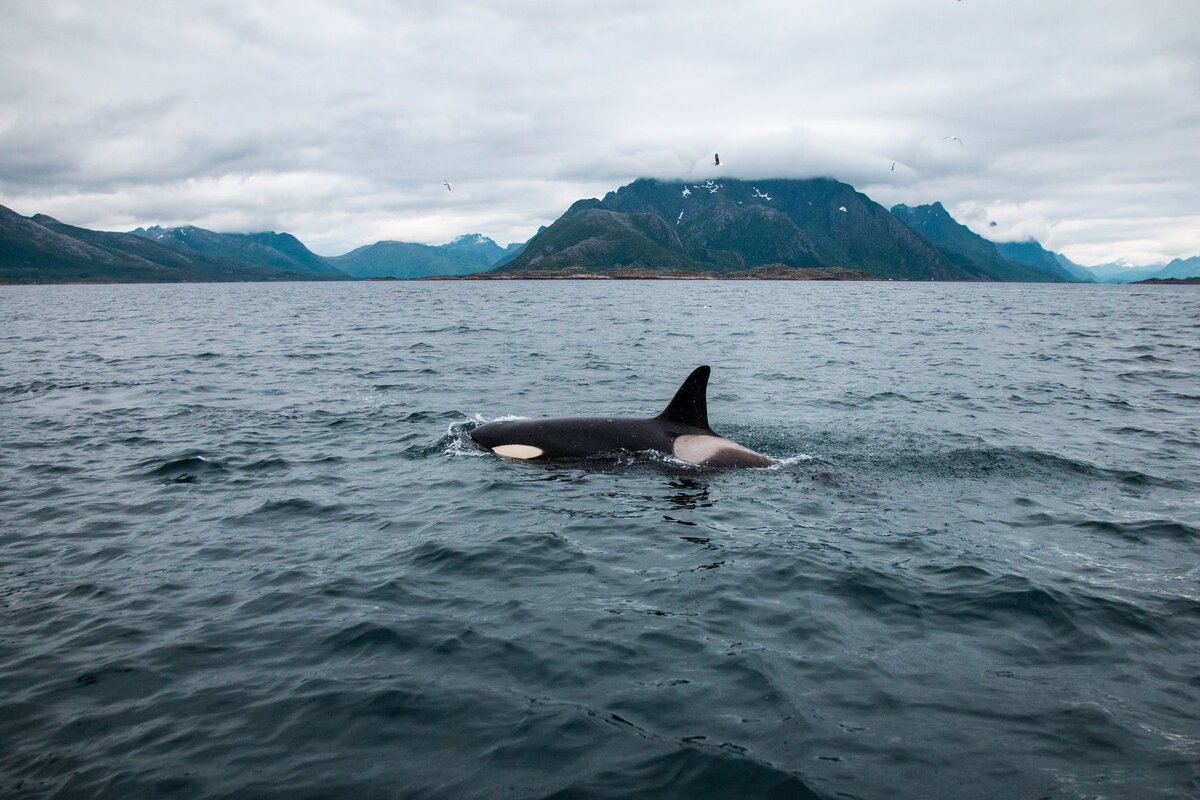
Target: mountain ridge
x,y
40,249
266,249
647,227
1121,273
471,252
734,225
1032,253
969,251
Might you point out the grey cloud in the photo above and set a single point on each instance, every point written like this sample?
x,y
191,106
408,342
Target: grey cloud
x,y
338,122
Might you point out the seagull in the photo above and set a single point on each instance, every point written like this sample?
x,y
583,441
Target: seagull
x,y
716,159
449,188
954,139
687,192
893,166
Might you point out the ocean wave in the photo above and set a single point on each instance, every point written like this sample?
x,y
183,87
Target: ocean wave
x,y
982,462
270,465
687,772
186,467
1157,374
300,510
370,636
527,556
1146,530
1071,622
32,390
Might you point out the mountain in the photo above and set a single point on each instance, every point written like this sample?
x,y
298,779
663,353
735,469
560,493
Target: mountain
x,y
1123,273
1083,273
968,250
40,249
513,250
1120,273
275,250
1180,268
1031,253
732,226
472,252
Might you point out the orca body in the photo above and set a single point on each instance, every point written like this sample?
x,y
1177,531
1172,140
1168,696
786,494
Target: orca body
x,y
681,430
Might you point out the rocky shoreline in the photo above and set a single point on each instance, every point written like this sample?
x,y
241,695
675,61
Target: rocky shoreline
x,y
772,272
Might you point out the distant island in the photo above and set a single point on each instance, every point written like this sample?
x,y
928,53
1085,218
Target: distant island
x,y
728,229
1169,281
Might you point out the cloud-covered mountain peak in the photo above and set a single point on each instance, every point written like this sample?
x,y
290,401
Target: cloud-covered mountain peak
x,y
473,240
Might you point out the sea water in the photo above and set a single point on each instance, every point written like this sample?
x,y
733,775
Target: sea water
x,y
248,550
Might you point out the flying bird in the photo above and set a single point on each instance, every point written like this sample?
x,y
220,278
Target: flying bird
x,y
716,159
954,139
893,166
449,188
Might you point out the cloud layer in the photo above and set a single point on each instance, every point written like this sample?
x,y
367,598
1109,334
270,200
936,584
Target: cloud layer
x,y
339,121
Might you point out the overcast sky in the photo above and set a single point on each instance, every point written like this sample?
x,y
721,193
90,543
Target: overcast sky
x,y
338,122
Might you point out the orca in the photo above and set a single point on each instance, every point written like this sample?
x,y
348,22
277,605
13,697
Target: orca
x,y
681,430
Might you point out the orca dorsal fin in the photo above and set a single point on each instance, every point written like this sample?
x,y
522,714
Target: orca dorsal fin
x,y
690,403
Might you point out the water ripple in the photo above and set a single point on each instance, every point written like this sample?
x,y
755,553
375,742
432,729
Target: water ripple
x,y
249,549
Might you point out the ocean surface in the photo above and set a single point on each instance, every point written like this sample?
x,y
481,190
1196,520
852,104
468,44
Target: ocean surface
x,y
247,549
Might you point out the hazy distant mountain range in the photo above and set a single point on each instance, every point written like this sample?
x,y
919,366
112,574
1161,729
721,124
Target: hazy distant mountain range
x,y
648,227
1120,273
466,254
